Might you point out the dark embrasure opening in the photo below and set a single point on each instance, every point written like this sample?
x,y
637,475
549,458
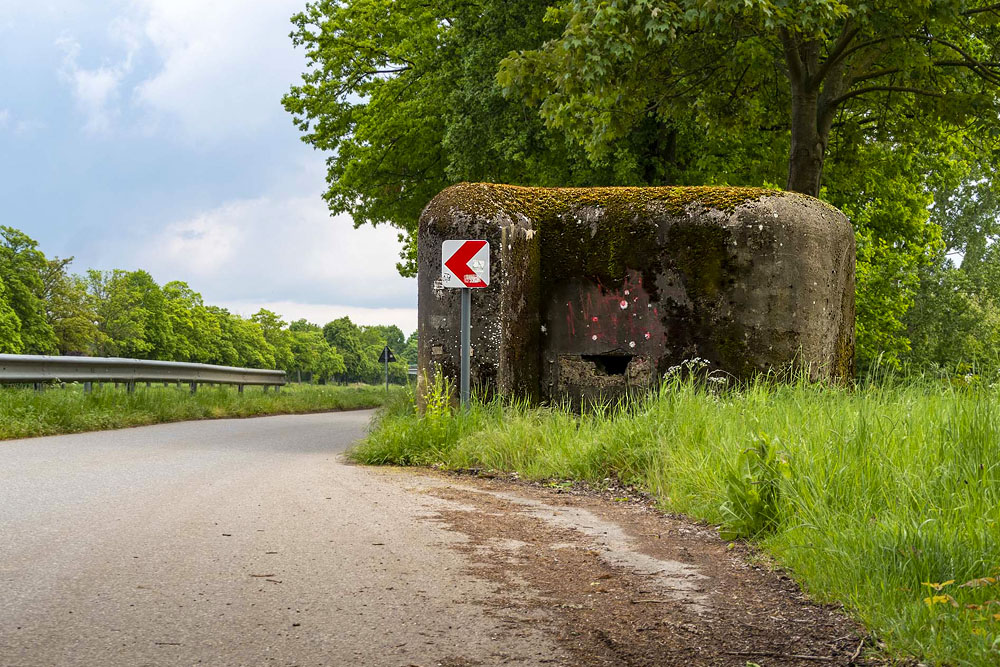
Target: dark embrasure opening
x,y
609,364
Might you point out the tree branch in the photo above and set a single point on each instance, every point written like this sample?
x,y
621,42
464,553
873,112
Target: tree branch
x,y
795,66
875,75
847,35
988,8
883,89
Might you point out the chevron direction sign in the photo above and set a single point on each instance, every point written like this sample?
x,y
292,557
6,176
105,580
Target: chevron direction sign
x,y
465,264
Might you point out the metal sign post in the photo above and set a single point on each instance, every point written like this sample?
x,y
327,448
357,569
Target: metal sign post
x,y
465,265
466,343
386,357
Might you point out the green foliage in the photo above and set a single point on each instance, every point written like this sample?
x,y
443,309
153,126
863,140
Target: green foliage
x,y
409,351
26,413
863,494
753,491
66,308
130,312
10,325
403,99
21,268
733,68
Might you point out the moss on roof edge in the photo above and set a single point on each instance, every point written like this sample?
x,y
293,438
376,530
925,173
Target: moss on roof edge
x,y
538,203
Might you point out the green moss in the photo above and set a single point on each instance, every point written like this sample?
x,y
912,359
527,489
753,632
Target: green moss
x,y
540,203
701,253
488,199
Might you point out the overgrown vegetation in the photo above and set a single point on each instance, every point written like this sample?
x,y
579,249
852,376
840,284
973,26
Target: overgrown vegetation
x,y
885,497
26,413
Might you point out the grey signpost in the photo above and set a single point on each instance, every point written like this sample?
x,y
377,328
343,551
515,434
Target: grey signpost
x,y
466,343
385,358
465,265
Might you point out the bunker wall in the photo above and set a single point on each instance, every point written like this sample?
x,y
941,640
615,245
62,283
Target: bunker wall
x,y
599,291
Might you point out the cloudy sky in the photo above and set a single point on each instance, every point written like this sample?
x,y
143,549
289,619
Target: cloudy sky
x,y
150,134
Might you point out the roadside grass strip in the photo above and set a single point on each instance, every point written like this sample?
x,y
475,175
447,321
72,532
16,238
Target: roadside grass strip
x,y
884,497
26,413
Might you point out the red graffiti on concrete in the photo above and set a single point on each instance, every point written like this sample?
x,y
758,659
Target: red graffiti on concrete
x,y
620,318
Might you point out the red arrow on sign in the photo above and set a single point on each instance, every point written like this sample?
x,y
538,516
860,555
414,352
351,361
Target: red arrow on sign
x,y
458,263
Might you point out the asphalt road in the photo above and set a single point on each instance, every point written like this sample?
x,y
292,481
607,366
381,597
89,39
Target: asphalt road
x,y
236,542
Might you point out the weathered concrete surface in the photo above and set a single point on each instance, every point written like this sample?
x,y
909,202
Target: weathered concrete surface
x,y
596,291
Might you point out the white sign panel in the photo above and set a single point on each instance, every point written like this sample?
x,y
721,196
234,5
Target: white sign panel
x,y
465,264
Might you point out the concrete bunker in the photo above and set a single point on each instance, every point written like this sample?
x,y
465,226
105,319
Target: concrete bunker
x,y
598,291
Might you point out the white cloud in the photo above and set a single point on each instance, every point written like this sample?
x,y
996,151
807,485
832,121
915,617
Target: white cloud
x,y
281,249
225,64
96,90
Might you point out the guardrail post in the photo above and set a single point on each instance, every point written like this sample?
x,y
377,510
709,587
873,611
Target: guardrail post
x,y
194,387
277,389
266,388
239,388
88,387
39,386
130,387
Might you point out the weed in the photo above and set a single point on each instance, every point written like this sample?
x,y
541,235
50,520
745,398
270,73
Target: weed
x,y
753,491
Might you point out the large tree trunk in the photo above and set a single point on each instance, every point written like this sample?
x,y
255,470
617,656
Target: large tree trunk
x,y
813,103
808,149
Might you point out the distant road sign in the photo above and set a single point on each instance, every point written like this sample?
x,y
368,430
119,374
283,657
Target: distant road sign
x,y
387,356
465,264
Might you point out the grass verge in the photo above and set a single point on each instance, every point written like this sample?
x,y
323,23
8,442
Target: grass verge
x,y
885,498
25,413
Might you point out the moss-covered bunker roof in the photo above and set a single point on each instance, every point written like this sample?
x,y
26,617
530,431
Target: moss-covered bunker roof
x,y
540,203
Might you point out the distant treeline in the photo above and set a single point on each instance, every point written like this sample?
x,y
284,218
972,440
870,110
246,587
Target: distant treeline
x,y
45,309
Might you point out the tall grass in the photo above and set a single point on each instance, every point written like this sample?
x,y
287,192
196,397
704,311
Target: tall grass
x,y
875,497
25,413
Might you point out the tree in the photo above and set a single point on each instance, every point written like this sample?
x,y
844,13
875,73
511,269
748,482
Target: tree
x,y
409,353
276,335
22,266
403,98
67,308
194,332
131,314
345,336
822,65
10,325
877,109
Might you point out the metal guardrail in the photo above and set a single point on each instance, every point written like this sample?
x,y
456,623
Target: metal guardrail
x,y
32,369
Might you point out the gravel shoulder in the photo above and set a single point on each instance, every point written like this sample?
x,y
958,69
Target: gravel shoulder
x,y
614,582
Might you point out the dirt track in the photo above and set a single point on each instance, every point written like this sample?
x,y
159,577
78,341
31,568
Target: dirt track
x,y
617,583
